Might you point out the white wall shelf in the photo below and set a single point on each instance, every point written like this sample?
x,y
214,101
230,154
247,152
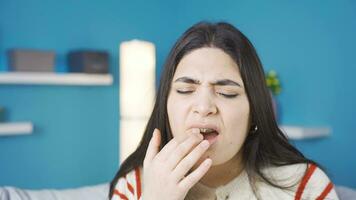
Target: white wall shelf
x,y
16,128
52,78
299,132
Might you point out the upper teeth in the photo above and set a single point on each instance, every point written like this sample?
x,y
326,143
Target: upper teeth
x,y
206,130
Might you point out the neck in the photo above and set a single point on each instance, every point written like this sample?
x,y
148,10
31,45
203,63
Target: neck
x,y
222,174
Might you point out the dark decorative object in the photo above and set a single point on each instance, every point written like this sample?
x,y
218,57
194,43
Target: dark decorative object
x,y
88,61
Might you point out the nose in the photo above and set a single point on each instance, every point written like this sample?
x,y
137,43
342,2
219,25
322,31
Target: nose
x,y
204,104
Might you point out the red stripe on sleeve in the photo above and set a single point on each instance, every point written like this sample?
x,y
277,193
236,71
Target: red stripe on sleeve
x,y
131,189
122,196
129,186
304,182
326,191
138,183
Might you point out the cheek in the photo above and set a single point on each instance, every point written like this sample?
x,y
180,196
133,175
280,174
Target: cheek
x,y
176,114
237,125
238,119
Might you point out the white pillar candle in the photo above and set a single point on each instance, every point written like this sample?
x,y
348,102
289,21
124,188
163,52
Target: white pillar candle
x,y
137,91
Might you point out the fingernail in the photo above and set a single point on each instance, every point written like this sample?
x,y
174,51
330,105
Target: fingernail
x,y
208,161
200,136
196,130
205,143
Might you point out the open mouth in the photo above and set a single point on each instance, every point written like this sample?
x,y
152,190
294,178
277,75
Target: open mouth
x,y
209,134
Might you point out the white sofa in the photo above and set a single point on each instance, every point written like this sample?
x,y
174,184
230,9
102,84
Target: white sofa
x,y
96,192
99,192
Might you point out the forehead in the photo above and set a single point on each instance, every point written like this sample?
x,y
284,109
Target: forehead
x,y
208,63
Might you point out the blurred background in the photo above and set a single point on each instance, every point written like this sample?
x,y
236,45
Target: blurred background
x,y
75,142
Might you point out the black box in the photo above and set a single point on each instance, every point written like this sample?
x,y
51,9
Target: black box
x,y
31,60
88,61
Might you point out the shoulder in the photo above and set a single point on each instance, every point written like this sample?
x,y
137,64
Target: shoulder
x,y
315,184
286,175
129,187
308,180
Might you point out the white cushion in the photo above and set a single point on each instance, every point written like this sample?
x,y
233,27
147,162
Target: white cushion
x,y
96,192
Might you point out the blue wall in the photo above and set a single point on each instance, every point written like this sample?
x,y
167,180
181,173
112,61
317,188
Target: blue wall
x,y
310,44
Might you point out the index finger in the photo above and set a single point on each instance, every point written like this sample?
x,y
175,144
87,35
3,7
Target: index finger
x,y
173,144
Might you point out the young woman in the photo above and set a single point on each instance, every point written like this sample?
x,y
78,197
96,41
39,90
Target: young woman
x,y
212,133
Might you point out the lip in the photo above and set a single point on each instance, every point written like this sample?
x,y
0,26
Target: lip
x,y
210,126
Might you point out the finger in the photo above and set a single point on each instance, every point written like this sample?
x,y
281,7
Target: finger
x,y
153,146
184,148
165,151
168,149
190,160
193,178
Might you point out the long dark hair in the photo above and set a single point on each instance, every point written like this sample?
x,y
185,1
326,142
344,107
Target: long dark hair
x,y
265,147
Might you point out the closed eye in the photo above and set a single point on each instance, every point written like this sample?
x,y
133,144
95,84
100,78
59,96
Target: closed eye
x,y
230,96
184,92
222,94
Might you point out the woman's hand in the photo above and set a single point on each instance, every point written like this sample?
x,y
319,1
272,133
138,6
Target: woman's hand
x,y
165,172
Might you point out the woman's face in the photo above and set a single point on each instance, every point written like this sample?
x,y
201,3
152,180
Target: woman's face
x,y
208,92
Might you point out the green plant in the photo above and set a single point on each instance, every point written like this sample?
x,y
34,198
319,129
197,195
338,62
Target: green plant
x,y
273,82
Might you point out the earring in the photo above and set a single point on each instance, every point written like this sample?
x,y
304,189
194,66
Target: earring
x,y
255,129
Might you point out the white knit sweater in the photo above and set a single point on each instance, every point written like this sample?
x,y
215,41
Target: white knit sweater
x,y
314,184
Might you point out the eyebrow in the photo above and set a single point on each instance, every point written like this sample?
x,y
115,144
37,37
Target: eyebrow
x,y
222,82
